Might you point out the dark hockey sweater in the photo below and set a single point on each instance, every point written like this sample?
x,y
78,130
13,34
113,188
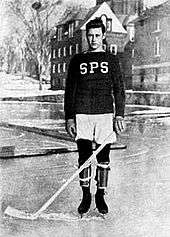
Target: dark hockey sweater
x,y
93,79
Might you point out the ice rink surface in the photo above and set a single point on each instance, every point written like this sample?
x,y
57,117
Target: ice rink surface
x,y
138,193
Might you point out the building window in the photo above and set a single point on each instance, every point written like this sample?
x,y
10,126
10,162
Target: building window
x,y
132,33
76,23
71,30
104,47
156,25
64,67
142,78
157,47
109,25
58,69
104,19
64,51
71,50
107,22
113,49
53,53
133,53
64,82
157,71
53,68
141,22
59,52
77,48
59,33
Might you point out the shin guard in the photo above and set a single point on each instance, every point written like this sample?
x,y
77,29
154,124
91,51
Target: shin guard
x,y
102,175
85,177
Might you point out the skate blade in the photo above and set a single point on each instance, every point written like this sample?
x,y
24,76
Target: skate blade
x,y
92,215
83,215
99,214
103,216
11,211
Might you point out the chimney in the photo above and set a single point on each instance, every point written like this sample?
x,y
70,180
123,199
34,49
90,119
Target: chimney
x,y
140,6
101,1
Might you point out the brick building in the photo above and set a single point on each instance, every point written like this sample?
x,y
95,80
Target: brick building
x,y
124,7
151,53
70,38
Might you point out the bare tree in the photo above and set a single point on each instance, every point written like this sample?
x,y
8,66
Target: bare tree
x,y
9,48
2,57
34,28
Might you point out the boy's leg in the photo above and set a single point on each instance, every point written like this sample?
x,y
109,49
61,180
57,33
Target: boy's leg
x,y
103,128
85,151
102,171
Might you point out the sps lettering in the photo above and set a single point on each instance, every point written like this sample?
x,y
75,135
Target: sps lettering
x,y
93,66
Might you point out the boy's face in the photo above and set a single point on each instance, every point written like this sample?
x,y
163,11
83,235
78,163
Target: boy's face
x,y
95,39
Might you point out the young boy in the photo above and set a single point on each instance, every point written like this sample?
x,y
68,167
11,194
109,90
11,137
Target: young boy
x,y
94,77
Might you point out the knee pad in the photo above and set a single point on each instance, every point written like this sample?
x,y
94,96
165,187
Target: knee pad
x,y
102,172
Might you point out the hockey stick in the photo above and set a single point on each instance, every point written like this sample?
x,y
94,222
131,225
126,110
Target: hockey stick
x,y
32,216
53,150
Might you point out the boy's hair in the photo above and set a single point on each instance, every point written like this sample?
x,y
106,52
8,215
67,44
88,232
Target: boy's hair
x,y
96,23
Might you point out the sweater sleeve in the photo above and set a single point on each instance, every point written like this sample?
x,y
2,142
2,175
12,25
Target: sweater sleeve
x,y
118,88
70,90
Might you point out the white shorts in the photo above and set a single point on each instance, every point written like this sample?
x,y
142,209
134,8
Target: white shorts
x,y
95,127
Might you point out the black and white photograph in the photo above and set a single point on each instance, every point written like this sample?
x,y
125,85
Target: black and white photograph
x,y
84,118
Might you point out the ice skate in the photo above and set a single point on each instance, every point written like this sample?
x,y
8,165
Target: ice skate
x,y
100,202
86,201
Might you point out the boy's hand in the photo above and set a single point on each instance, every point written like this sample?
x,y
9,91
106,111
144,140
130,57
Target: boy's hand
x,y
71,127
119,124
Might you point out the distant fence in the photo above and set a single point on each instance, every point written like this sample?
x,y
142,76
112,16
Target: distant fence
x,y
152,98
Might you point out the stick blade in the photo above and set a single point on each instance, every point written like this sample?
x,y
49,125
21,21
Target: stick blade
x,y
11,211
117,146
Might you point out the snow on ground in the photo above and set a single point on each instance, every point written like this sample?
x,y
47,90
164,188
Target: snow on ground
x,y
15,86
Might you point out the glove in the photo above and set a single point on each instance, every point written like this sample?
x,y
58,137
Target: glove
x,y
119,124
71,127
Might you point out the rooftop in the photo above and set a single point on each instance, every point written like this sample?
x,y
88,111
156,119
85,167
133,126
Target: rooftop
x,y
161,10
